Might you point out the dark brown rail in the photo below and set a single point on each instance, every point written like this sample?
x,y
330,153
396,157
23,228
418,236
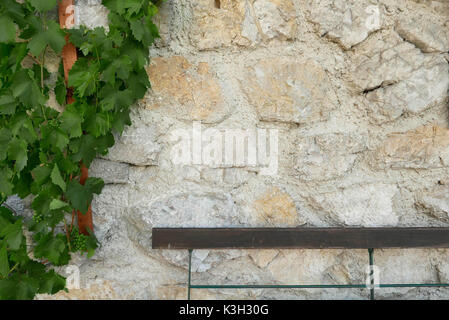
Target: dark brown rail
x,y
299,238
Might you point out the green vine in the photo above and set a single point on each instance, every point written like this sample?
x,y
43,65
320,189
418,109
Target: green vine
x,y
41,149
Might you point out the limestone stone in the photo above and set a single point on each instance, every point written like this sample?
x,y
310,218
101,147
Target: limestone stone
x,y
422,31
98,290
91,13
217,24
188,210
276,19
171,292
435,202
398,78
288,91
262,258
407,266
314,266
423,89
422,148
241,22
327,156
368,206
137,145
109,171
346,22
276,208
185,91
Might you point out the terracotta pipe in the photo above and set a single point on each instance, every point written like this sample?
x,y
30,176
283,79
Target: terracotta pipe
x,y
69,57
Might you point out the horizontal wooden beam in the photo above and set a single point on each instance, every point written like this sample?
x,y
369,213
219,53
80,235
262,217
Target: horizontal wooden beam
x,y
299,238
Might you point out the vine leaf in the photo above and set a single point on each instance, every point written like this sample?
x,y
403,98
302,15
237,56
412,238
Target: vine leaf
x,y
26,90
60,91
53,36
55,137
13,235
43,5
7,104
120,67
80,195
5,137
83,77
8,33
57,179
71,120
98,124
4,263
5,184
40,174
57,204
51,283
51,247
17,151
84,149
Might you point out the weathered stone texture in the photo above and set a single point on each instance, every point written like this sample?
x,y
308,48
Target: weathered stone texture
x,y
346,22
358,91
327,156
276,208
366,206
241,22
398,78
184,90
422,148
138,145
435,202
288,91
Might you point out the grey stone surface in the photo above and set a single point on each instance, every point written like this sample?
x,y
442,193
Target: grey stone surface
x,y
362,113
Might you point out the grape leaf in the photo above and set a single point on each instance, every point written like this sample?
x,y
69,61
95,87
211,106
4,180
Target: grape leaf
x,y
53,36
57,204
7,104
5,181
57,179
4,262
43,5
8,33
81,196
71,120
83,76
98,124
26,90
13,235
17,151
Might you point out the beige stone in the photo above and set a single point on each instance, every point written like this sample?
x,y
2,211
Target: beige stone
x,y
314,266
185,91
327,156
435,202
276,207
422,148
241,22
346,22
425,32
397,78
171,292
263,257
214,27
367,206
101,290
289,91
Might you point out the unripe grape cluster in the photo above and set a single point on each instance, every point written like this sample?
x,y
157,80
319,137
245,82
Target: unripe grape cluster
x,y
79,241
37,217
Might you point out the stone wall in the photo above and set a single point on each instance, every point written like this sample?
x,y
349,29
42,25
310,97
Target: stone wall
x,y
360,102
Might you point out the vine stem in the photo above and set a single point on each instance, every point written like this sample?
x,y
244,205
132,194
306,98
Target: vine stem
x,y
69,57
